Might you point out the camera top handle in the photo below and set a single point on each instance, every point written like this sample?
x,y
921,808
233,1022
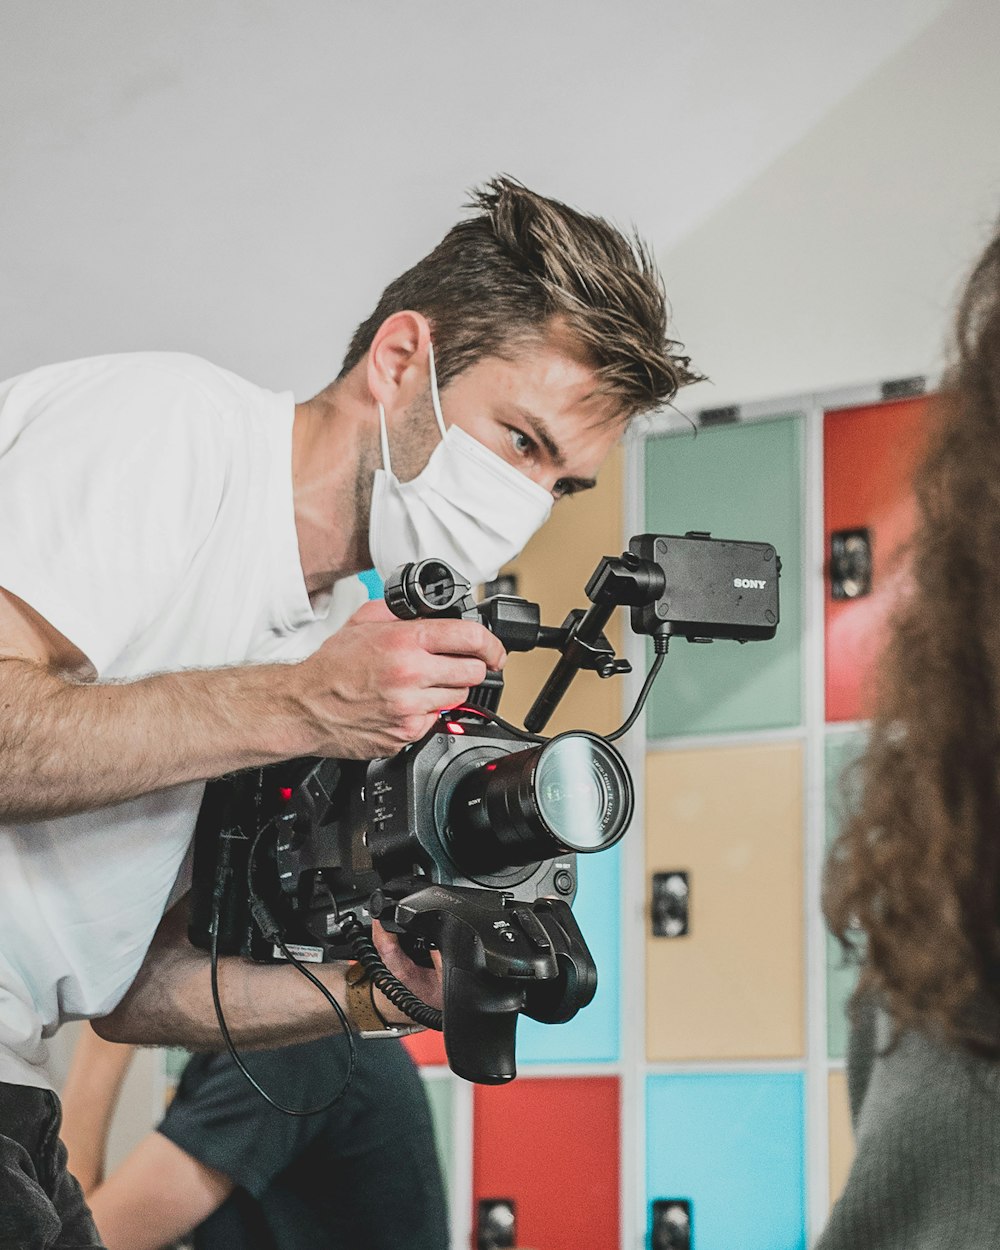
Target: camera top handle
x,y
431,588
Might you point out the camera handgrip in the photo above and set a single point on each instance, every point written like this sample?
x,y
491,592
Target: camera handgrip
x,y
480,1024
492,950
558,1000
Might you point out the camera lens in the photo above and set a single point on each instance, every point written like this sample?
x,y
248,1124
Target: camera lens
x,y
573,793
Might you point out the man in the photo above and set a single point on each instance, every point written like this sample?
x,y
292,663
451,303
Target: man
x,y
235,1174
176,552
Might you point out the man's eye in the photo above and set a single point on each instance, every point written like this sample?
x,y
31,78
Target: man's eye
x,y
522,444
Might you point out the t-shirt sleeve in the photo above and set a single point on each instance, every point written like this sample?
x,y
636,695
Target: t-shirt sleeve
x,y
109,480
219,1119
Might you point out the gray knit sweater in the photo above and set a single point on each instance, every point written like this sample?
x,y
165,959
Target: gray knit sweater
x,y
927,1129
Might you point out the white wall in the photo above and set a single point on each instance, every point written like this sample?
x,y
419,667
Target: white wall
x,y
841,262
240,178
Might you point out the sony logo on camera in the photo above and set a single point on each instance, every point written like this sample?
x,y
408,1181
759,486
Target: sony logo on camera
x,y
748,583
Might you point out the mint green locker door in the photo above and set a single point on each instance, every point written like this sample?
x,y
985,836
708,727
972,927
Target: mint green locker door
x,y
440,1089
742,482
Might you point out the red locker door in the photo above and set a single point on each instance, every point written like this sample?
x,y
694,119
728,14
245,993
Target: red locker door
x,y
426,1048
551,1144
869,457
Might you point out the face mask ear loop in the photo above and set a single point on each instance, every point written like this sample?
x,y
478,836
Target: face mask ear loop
x,y
435,397
386,462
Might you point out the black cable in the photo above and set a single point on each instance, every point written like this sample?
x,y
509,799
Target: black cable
x,y
647,685
367,955
257,906
513,730
660,641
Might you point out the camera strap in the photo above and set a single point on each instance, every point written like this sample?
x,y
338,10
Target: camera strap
x,y
364,1015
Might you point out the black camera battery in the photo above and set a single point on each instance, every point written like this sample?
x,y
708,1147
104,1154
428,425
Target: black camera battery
x,y
715,588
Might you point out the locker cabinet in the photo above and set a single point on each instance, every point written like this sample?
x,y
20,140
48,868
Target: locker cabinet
x,y
732,988
869,457
552,1145
732,1144
740,482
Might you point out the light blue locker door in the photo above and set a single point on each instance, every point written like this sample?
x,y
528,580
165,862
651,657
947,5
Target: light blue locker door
x,y
592,1035
732,1145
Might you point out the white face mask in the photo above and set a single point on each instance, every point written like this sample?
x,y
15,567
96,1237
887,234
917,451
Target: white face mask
x,y
467,506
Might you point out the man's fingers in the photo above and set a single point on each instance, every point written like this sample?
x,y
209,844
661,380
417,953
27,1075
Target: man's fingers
x,y
373,610
463,638
444,698
440,636
453,671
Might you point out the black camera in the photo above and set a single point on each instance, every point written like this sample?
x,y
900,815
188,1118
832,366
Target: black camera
x,y
466,841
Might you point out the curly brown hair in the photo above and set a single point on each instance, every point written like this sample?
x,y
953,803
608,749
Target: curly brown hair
x,y
916,870
498,279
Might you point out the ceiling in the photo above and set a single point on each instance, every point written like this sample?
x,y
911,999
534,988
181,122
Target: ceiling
x,y
240,177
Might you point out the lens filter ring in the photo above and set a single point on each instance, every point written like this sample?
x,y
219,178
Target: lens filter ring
x,y
582,792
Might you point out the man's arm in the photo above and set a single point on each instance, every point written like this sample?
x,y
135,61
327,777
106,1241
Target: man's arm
x,y
89,1098
159,1193
265,1005
69,746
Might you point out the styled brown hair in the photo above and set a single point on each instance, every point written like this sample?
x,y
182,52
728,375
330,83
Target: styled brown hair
x,y
496,280
917,868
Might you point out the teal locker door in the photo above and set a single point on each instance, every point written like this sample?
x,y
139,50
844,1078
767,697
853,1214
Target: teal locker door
x,y
441,1096
731,1145
592,1035
740,482
842,750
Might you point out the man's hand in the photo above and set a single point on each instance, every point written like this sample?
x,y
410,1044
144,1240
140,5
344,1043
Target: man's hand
x,y
424,982
379,682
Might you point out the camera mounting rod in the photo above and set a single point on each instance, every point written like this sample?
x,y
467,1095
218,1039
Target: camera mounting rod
x,y
618,581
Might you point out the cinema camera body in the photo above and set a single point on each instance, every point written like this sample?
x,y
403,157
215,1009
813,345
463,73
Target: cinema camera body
x,y
467,840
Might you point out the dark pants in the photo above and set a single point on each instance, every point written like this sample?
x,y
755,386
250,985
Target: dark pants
x,y
41,1205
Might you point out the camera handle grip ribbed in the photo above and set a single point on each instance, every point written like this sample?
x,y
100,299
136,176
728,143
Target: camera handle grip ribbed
x,y
480,1013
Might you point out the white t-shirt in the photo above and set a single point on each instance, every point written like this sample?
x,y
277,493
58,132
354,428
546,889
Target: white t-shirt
x,y
146,512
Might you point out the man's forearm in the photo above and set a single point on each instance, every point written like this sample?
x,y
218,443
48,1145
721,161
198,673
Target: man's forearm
x,y
67,747
170,1001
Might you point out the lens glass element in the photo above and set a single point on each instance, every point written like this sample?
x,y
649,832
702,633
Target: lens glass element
x,y
579,791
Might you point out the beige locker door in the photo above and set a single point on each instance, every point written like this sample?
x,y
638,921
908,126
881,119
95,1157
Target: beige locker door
x,y
733,987
841,1135
552,571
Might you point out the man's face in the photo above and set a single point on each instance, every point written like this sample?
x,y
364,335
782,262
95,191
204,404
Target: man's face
x,y
537,410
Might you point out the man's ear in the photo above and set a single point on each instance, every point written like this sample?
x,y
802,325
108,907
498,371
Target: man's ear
x,y
397,360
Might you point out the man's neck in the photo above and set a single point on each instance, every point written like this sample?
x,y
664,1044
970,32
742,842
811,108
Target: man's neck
x,y
331,480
